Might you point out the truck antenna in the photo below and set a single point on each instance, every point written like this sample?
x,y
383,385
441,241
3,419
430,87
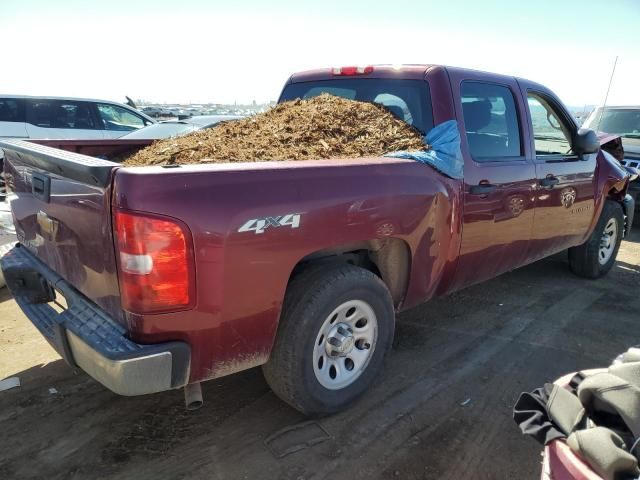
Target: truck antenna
x,y
615,62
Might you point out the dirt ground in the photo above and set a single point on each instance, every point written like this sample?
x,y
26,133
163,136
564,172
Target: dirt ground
x,y
442,409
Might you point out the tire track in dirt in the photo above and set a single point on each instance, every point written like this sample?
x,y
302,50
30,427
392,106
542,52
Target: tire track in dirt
x,y
486,343
409,400
378,424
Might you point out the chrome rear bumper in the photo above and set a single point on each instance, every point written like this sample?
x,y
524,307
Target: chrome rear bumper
x,y
86,337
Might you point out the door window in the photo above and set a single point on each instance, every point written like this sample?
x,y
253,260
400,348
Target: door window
x,y
11,110
491,121
550,133
120,119
60,114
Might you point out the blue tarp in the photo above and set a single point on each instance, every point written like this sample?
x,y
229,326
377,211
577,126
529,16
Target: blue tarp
x,y
444,154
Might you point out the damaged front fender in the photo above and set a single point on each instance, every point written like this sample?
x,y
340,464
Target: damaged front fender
x,y
616,176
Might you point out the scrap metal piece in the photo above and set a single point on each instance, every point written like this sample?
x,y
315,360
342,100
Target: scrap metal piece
x,y
8,383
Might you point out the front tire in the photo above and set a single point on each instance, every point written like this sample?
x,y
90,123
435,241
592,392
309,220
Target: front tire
x,y
596,256
336,327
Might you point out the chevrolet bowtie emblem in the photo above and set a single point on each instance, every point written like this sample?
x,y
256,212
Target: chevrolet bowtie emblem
x,y
568,197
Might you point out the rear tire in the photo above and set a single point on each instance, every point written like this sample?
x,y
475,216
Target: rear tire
x,y
336,327
596,256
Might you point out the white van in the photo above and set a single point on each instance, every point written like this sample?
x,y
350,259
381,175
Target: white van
x,y
74,118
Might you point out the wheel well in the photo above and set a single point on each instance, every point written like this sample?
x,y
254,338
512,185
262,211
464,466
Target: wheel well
x,y
616,195
388,258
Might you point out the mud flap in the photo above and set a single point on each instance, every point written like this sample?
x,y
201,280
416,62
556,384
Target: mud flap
x,y
629,207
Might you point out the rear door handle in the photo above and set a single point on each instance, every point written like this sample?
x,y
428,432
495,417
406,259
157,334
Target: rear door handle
x,y
482,189
549,182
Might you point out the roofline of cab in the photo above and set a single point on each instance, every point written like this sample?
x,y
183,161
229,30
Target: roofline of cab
x,y
413,71
406,72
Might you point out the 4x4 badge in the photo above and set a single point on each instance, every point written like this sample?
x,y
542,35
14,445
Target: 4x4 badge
x,y
259,225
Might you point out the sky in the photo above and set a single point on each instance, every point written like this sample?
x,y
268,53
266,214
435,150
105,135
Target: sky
x,y
197,51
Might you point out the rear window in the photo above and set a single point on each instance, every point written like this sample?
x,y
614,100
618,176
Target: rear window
x,y
491,121
11,110
409,100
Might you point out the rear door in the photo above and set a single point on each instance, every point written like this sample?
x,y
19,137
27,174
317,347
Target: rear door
x,y
64,119
12,121
499,180
565,195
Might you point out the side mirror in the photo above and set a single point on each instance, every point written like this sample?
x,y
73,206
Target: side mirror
x,y
585,142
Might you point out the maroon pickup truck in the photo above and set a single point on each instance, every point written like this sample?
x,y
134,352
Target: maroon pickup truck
x,y
156,278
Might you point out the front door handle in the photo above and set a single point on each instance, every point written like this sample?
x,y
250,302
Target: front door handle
x,y
482,189
549,182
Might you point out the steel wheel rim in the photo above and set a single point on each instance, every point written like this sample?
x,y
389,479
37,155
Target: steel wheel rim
x,y
608,241
345,344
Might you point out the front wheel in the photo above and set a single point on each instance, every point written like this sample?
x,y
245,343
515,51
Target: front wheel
x,y
596,256
336,327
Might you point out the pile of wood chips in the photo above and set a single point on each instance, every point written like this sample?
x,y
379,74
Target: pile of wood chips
x,y
318,128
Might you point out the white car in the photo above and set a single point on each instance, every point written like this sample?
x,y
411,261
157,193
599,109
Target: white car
x,y
176,128
73,118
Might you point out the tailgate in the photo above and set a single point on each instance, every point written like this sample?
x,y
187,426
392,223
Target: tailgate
x,y
61,203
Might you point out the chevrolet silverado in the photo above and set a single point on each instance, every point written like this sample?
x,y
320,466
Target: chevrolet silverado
x,y
157,278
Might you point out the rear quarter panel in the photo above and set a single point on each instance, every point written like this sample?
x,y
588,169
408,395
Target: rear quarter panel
x,y
241,277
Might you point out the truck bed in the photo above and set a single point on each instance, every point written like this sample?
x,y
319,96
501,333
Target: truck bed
x,y
107,149
340,203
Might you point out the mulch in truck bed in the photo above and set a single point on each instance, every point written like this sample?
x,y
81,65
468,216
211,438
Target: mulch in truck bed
x,y
317,128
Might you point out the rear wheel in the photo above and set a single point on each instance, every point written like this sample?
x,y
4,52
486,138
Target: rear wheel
x,y
336,327
596,256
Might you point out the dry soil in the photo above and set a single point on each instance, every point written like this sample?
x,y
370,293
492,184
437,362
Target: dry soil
x,y
441,410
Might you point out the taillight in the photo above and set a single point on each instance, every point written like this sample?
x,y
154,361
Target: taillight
x,y
155,263
347,71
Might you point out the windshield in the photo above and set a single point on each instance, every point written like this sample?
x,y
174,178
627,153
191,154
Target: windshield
x,y
619,121
409,100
